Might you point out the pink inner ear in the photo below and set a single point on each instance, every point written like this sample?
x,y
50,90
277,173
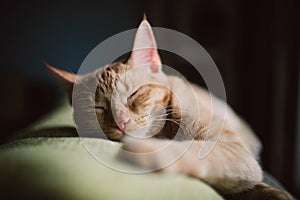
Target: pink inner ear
x,y
144,49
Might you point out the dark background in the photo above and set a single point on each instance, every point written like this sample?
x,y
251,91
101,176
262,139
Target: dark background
x,y
254,43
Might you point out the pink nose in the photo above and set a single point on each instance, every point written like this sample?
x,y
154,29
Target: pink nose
x,y
122,124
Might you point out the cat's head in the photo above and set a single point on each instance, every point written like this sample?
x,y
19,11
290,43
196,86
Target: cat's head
x,y
129,96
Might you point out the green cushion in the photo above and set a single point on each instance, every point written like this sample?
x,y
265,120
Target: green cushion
x,y
46,167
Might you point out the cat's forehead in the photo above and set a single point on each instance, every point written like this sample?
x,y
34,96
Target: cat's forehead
x,y
109,76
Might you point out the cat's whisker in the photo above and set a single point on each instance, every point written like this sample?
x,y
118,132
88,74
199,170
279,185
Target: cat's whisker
x,y
151,114
177,110
157,115
157,126
157,112
166,114
173,111
163,116
179,124
140,121
142,116
171,120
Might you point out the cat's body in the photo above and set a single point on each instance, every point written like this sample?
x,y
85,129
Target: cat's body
x,y
231,120
136,98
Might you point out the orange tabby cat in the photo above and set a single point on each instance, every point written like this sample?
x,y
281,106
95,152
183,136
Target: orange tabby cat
x,y
146,102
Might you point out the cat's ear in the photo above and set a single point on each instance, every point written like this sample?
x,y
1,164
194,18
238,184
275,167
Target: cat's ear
x,y
144,50
66,79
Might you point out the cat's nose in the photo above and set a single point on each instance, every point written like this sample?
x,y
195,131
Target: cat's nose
x,y
122,124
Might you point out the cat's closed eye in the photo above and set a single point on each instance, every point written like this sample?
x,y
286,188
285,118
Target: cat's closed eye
x,y
131,103
131,96
99,109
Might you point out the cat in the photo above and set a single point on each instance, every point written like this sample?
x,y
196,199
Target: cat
x,y
136,97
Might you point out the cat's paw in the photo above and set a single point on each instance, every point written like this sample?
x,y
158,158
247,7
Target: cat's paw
x,y
137,146
152,154
141,153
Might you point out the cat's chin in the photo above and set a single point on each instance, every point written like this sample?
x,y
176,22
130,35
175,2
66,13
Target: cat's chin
x,y
116,135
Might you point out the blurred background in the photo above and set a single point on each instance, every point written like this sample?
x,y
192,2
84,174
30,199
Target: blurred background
x,y
255,45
